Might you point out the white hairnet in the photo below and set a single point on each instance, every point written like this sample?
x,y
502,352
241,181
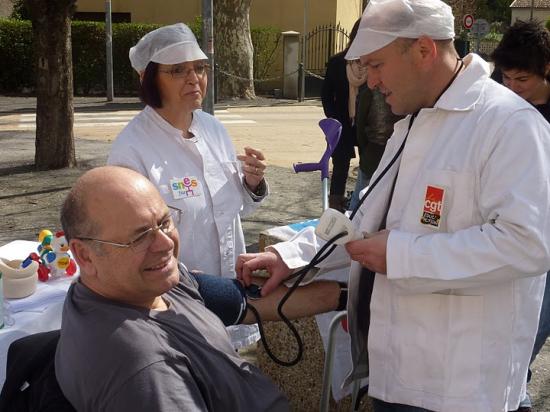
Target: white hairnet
x,y
383,21
166,45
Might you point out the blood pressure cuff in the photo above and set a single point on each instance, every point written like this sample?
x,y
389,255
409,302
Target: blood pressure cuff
x,y
225,297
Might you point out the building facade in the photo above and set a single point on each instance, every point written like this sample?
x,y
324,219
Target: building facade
x,y
284,14
521,10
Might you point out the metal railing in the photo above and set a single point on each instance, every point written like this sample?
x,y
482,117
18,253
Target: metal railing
x,y
321,43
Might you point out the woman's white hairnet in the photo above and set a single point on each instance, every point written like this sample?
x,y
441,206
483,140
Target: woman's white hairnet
x,y
383,21
166,45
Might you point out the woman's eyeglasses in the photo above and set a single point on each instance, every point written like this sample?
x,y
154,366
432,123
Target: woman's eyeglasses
x,y
179,71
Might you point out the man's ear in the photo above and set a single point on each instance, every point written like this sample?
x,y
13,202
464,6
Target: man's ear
x,y
426,51
84,256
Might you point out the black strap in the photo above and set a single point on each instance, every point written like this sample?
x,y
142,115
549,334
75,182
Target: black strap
x,y
386,211
343,298
366,281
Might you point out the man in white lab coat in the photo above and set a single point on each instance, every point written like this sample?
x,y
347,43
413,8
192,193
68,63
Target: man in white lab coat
x,y
458,225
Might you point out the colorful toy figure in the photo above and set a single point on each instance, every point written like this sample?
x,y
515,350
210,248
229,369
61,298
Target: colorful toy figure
x,y
43,271
58,260
54,259
45,238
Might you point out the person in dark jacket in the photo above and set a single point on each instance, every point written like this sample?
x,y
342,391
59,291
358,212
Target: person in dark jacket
x,y
335,99
523,59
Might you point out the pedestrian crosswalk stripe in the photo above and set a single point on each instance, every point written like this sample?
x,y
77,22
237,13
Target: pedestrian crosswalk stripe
x,y
31,126
243,121
125,114
27,121
229,116
80,120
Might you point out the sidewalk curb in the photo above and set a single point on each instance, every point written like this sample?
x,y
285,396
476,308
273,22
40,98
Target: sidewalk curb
x,y
25,104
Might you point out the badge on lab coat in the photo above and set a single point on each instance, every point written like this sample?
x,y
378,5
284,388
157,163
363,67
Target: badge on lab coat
x,y
433,206
183,187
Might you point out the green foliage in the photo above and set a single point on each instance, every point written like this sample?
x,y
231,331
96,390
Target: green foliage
x,y
88,45
547,24
16,55
493,10
196,28
499,27
20,11
88,61
126,35
493,36
88,41
265,40
89,65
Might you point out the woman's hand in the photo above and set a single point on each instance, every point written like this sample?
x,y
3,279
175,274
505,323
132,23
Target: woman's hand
x,y
253,167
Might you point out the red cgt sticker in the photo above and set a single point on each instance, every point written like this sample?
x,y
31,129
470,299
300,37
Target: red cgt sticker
x,y
433,206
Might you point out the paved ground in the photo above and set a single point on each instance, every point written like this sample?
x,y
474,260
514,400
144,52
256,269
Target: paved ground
x,y
287,132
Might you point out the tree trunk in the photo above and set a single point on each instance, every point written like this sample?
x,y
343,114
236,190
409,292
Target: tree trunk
x,y
51,23
233,47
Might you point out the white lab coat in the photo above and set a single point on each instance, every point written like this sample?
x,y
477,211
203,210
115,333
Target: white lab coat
x,y
202,177
454,321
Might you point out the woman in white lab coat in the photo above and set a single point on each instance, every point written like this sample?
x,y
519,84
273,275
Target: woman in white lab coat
x,y
189,156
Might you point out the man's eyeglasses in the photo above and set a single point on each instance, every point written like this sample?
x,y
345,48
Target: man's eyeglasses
x,y
144,240
180,71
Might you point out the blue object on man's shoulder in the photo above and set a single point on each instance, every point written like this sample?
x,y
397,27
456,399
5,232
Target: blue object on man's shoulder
x,y
301,225
223,296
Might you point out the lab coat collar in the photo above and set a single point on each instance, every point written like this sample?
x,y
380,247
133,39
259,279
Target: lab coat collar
x,y
168,128
466,90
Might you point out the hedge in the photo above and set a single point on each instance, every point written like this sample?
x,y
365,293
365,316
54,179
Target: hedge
x,y
16,55
89,56
88,40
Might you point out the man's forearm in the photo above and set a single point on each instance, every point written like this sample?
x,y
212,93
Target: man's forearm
x,y
311,299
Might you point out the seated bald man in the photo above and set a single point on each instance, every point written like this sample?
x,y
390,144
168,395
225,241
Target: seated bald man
x,y
136,334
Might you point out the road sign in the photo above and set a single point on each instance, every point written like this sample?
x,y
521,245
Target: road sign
x,y
480,27
468,21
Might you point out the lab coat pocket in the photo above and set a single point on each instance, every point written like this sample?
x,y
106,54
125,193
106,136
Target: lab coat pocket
x,y
436,343
446,200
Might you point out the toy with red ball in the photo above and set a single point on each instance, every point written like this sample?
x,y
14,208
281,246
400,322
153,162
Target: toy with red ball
x,y
53,256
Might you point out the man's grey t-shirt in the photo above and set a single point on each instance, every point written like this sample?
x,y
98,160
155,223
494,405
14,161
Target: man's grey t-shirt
x,y
117,357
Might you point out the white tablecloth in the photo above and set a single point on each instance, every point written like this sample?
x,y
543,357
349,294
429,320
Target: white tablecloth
x,y
39,312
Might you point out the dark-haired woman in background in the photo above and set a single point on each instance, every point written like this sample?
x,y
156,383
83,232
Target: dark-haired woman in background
x,y
523,59
335,96
189,156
